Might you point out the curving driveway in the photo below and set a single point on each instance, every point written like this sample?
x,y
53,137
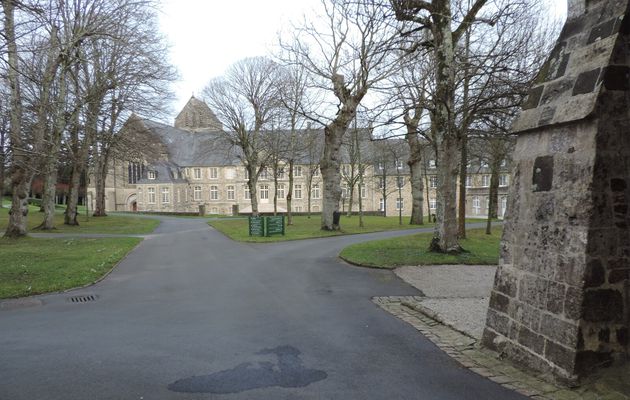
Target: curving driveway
x,y
190,314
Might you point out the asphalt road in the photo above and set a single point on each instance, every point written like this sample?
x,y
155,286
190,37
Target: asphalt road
x,y
191,314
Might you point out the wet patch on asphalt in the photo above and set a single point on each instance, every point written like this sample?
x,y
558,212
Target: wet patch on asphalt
x,y
288,371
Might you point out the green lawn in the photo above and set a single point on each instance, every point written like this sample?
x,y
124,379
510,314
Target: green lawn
x,y
412,250
306,228
118,224
33,266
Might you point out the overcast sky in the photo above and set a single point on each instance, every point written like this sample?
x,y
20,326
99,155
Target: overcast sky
x,y
207,36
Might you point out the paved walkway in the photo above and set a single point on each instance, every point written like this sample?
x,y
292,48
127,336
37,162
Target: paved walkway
x,y
452,312
190,314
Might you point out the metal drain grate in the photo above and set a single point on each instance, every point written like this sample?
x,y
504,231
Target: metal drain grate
x,y
83,299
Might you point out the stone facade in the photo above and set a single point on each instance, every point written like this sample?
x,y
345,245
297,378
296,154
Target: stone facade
x,y
190,168
560,302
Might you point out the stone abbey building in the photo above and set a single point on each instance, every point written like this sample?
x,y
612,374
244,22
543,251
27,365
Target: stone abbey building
x,y
179,168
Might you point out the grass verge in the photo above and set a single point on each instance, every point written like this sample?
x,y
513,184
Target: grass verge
x,y
413,250
34,266
307,228
117,224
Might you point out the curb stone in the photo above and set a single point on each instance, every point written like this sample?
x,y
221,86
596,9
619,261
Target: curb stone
x,y
466,350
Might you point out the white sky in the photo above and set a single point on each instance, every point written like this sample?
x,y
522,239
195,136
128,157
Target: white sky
x,y
207,36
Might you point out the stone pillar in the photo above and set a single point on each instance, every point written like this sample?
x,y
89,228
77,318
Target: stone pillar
x,y
560,302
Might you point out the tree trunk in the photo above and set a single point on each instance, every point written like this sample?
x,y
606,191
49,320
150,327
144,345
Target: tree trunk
x,y
71,214
384,191
48,197
417,189
463,173
100,174
290,195
493,198
275,192
445,235
350,198
2,165
329,166
251,183
21,174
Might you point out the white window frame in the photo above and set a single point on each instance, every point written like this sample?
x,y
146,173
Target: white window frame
x,y
297,191
503,180
264,192
315,192
151,175
399,164
213,173
400,203
247,195
230,192
476,205
432,164
151,195
469,181
214,192
165,195
363,191
197,173
281,191
433,181
381,205
297,171
485,180
197,193
432,203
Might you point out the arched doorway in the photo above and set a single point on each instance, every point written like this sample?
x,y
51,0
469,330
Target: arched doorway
x,y
132,203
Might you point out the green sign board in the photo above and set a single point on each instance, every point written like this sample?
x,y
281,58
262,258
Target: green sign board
x,y
266,226
256,226
275,225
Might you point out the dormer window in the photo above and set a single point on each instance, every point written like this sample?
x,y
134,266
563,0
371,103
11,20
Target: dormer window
x,y
196,173
151,175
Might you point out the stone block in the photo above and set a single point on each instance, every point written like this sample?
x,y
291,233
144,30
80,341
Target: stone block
x,y
561,356
586,82
531,340
587,361
499,302
505,282
556,294
595,274
525,314
618,275
603,305
559,331
498,322
533,290
573,303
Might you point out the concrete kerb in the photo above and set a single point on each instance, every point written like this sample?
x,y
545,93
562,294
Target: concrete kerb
x,y
467,352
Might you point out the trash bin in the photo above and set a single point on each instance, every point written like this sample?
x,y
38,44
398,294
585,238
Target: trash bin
x,y
202,209
336,217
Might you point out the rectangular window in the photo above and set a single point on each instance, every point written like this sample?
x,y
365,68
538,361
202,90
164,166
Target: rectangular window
x,y
214,173
345,169
151,175
297,171
264,192
344,191
381,182
503,180
476,203
485,180
246,193
432,164
433,181
400,181
197,193
297,191
196,173
363,191
246,173
264,174
151,195
504,163
399,164
281,193
469,181
399,204
380,166
315,192
166,195
484,164
230,192
381,205
432,204
214,192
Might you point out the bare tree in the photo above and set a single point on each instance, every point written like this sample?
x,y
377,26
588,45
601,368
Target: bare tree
x,y
437,18
346,53
245,100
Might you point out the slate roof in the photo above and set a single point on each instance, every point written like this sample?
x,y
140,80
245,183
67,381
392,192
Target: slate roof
x,y
188,149
166,172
